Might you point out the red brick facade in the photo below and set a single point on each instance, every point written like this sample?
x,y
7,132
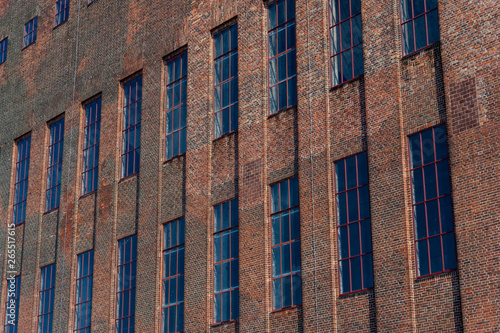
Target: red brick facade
x,y
455,82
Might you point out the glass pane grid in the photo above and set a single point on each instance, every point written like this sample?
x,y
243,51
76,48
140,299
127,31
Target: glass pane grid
x,y
125,295
30,32
84,285
226,264
173,277
285,247
46,295
91,146
282,58
434,230
21,184
176,106
226,81
62,11
12,311
419,24
346,50
3,50
55,165
353,225
131,132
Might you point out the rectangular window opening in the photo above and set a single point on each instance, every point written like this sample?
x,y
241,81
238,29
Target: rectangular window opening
x,y
125,295
131,133
172,310
54,169
353,224
21,181
91,139
47,287
84,286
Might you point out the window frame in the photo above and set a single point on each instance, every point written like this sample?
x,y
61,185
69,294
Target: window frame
x,y
277,55
90,285
24,138
16,299
280,244
228,27
167,61
437,198
123,154
60,121
229,291
4,43
118,291
350,48
41,316
97,102
62,15
412,19
176,276
30,33
357,221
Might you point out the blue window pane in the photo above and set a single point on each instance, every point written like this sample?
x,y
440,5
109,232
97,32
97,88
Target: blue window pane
x,y
358,60
285,227
292,91
276,261
234,273
297,289
277,294
345,28
341,208
343,242
420,33
420,223
430,182
367,271
352,201
422,258
432,218
435,254
356,273
364,202
354,239
432,26
285,259
366,236
287,291
418,185
296,256
235,313
345,286
408,46
295,224
443,177
275,229
450,261
446,214
406,10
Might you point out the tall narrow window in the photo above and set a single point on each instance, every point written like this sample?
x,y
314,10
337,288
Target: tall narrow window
x,y
53,191
21,186
84,284
3,50
282,62
30,32
346,40
175,143
287,290
226,262
173,277
47,284
62,11
125,296
91,139
131,127
353,224
419,24
226,81
12,304
432,205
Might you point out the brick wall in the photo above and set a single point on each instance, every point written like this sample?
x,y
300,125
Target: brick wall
x,y
455,82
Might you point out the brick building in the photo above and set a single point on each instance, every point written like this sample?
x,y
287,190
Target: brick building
x,y
156,156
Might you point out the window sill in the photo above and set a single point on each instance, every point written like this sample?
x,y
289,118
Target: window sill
x,y
225,135
50,211
57,26
355,293
414,53
288,308
173,158
222,323
294,107
87,194
354,79
128,177
434,275
19,224
25,47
